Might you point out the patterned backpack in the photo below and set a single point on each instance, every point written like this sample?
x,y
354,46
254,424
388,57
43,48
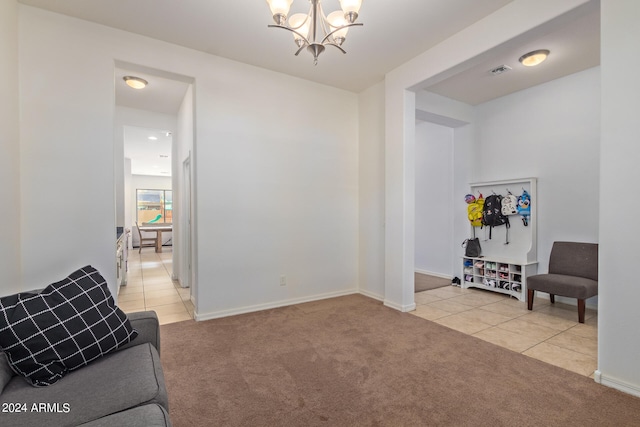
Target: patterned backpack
x,y
492,214
509,205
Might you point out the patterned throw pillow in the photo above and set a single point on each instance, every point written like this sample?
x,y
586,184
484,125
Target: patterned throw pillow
x,y
67,325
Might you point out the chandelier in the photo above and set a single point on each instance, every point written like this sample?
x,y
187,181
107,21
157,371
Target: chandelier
x,y
316,30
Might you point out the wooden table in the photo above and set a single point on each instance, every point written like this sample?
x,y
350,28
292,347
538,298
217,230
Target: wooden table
x,y
158,228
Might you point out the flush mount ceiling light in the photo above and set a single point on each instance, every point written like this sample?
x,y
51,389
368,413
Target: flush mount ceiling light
x,y
135,82
534,58
307,28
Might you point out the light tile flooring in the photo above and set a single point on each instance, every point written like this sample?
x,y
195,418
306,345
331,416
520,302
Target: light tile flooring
x,y
550,333
149,287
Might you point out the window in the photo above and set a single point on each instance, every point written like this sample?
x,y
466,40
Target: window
x,y
154,206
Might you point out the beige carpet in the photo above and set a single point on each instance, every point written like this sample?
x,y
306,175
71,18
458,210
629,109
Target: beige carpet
x,y
424,282
350,361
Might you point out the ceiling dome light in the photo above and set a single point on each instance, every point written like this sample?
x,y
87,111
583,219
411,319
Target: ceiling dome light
x,y
135,82
534,58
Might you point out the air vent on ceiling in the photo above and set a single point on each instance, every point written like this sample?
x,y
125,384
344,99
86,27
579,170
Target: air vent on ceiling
x,y
499,70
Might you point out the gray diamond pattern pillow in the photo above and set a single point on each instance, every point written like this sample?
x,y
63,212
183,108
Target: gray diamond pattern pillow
x,y
66,326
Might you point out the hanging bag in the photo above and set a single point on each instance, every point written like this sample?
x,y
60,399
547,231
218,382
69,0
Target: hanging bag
x,y
509,205
492,215
524,207
474,209
472,247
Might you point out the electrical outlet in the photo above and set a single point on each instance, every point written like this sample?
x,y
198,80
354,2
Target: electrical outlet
x,y
283,280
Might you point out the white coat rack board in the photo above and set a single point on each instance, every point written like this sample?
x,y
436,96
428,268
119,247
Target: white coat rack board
x,y
503,267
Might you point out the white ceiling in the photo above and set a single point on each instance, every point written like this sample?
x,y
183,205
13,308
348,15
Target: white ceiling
x,y
574,45
148,156
393,33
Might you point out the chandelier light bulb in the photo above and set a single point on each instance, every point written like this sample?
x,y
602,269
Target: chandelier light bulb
x,y
301,23
336,20
280,10
351,9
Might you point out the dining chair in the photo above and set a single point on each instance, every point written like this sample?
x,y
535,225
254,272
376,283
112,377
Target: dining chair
x,y
147,242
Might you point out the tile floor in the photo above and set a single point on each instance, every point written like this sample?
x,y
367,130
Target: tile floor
x,y
550,333
149,287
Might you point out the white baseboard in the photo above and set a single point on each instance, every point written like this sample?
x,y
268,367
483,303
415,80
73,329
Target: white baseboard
x,y
372,295
431,273
267,306
402,308
631,389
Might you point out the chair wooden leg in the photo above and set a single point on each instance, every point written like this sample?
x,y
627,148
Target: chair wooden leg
x,y
581,309
552,298
530,294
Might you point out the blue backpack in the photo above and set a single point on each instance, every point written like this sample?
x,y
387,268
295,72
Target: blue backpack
x,y
524,207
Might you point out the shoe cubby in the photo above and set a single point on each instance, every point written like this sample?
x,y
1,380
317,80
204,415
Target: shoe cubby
x,y
496,275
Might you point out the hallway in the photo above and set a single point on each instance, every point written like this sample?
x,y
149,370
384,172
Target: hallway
x,y
149,287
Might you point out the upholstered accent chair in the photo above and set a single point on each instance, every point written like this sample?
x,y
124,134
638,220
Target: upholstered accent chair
x,y
573,273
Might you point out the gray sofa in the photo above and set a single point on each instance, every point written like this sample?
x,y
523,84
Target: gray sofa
x,y
124,388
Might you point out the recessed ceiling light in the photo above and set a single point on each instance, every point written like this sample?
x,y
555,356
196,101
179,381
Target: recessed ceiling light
x,y
135,82
534,58
153,138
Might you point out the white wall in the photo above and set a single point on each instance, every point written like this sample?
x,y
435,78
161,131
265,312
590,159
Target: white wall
x,y
371,195
276,177
9,150
619,317
434,199
551,132
277,190
183,234
66,149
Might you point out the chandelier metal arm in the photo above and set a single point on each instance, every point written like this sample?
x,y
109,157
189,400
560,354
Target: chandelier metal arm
x,y
336,46
301,47
356,24
284,27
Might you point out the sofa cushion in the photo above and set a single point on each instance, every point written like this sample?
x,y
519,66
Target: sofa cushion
x,y
64,327
114,383
5,371
141,416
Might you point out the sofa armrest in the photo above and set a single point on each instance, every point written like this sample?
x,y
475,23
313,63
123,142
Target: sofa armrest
x,y
148,327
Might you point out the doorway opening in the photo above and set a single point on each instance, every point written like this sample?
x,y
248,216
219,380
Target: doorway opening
x,y
154,137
